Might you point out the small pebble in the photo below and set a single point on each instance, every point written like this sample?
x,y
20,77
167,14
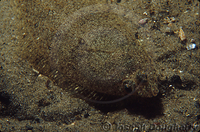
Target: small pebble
x,y
191,46
145,13
181,34
143,21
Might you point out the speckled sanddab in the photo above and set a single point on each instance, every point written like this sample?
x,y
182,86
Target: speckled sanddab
x,y
95,49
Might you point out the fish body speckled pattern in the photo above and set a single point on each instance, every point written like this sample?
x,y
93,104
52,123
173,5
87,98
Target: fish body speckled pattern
x,y
95,48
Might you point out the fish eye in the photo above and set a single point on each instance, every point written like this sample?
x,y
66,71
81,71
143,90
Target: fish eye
x,y
129,85
128,88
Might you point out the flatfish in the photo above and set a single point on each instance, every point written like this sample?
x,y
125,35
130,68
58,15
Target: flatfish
x,y
95,49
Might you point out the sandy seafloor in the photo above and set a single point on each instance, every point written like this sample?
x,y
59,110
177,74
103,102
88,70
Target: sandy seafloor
x,y
31,102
